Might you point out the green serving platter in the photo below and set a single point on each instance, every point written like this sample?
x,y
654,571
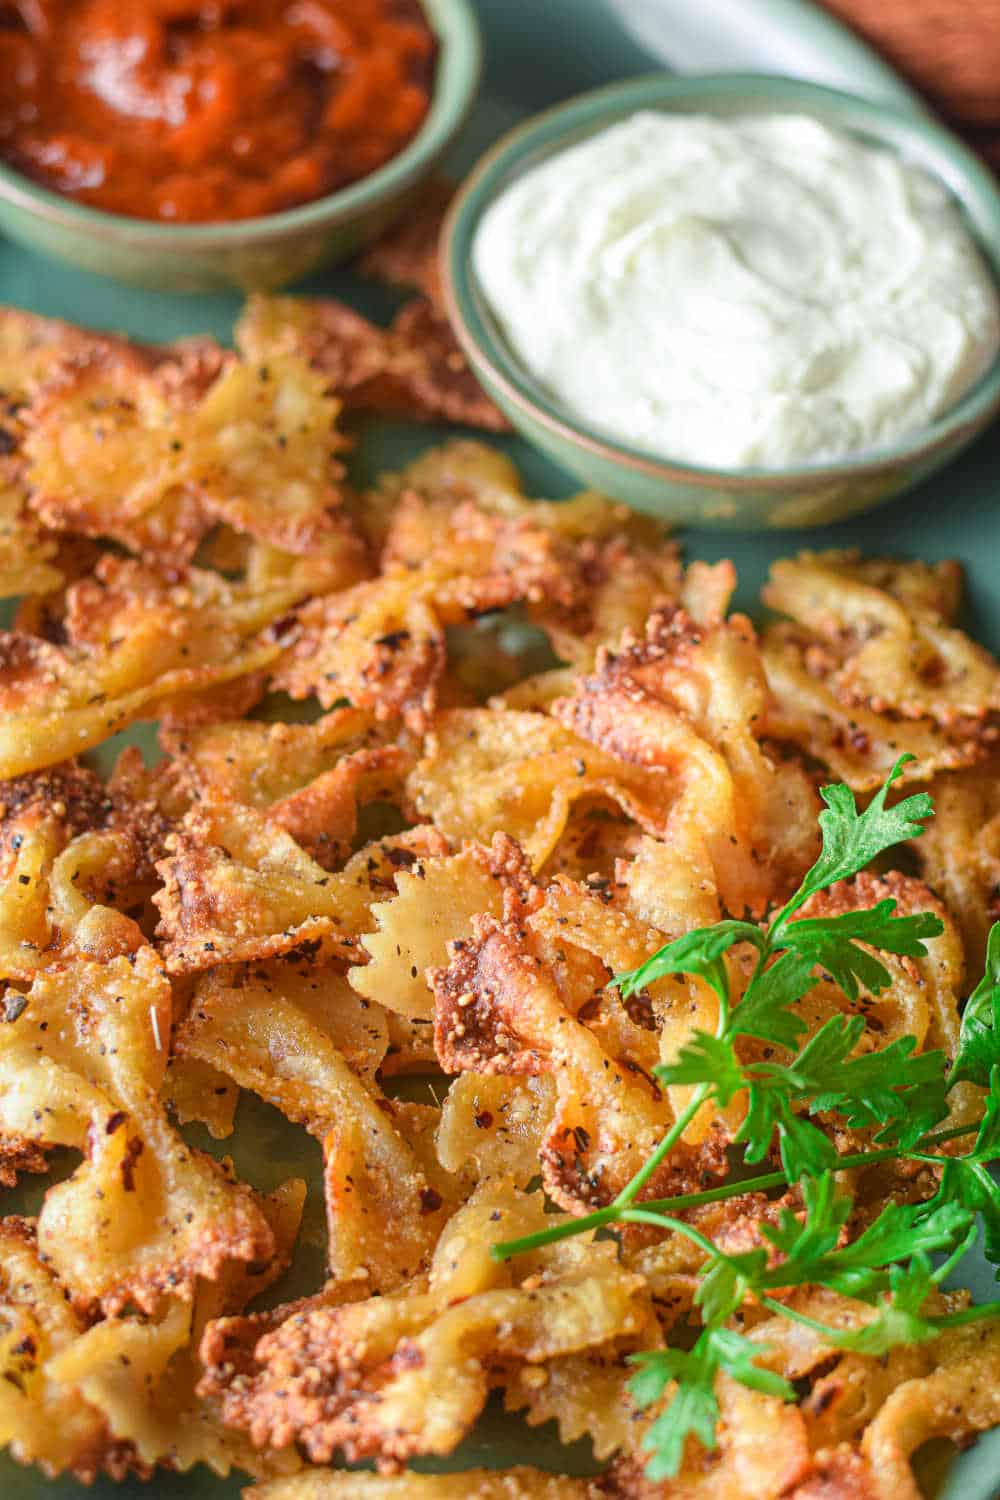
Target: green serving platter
x,y
539,52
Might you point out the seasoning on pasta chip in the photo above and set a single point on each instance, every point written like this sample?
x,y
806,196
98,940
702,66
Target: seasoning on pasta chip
x,y
853,743
309,778
139,644
886,629
143,1216
113,451
43,1420
471,1484
382,644
409,1373
499,1010
413,369
686,700
237,887
434,905
519,773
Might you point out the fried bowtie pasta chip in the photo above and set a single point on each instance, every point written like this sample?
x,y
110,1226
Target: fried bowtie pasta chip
x,y
75,857
413,369
685,702
117,451
960,852
499,1009
143,1216
28,554
853,743
427,377
886,629
309,778
382,644
237,887
43,1420
497,1122
409,1373
261,454
472,1484
100,458
138,645
435,905
300,1040
140,1374
486,771
583,1394
960,1398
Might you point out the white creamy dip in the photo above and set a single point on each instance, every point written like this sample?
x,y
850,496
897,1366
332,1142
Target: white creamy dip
x,y
739,292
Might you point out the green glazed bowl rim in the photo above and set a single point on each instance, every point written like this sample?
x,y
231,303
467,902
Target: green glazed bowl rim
x,y
942,154
456,80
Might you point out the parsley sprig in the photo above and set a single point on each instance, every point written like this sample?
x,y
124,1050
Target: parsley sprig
x,y
899,1093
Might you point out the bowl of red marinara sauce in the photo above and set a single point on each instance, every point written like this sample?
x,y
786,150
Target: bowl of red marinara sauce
x,y
189,145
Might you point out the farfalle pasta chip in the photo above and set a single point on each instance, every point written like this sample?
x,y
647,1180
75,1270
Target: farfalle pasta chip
x,y
143,1216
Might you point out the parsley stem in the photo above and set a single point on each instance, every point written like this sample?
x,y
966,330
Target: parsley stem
x,y
769,1180
967,1315
959,1253
507,1249
634,1187
971,1314
664,1221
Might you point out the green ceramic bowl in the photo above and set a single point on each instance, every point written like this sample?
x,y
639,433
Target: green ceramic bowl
x,y
277,248
810,495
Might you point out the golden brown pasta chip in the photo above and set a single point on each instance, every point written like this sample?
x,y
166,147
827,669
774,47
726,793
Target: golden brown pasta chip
x,y
959,853
429,1353
885,627
685,701
852,742
143,1216
309,778
138,645
471,1484
382,644
43,1420
237,887
436,902
499,1010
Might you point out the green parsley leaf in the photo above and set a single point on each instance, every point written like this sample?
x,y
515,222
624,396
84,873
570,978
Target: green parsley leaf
x,y
897,1318
705,1059
726,1281
699,952
736,1355
967,1181
763,1011
829,942
693,1409
979,1038
805,1150
810,1247
891,1086
851,840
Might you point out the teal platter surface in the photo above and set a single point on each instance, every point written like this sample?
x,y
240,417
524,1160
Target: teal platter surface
x,y
539,52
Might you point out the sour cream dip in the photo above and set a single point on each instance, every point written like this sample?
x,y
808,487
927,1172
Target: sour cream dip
x,y
744,292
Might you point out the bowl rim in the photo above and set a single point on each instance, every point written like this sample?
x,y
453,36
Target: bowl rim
x,y
457,75
584,113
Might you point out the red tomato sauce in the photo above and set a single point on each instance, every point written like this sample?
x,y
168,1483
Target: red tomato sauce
x,y
208,110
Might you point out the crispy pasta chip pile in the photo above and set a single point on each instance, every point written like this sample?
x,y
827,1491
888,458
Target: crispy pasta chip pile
x,y
437,761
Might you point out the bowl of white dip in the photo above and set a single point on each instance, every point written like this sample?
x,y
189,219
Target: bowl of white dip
x,y
733,300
